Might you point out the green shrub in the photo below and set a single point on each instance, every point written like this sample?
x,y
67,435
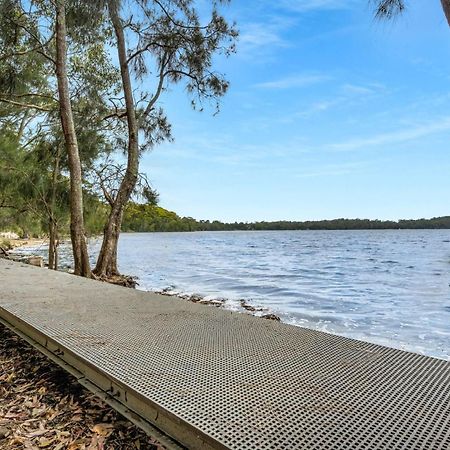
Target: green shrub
x,y
5,244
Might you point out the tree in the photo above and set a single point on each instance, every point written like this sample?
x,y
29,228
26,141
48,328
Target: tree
x,y
45,190
390,8
77,232
26,101
34,76
31,181
26,38
172,45
77,227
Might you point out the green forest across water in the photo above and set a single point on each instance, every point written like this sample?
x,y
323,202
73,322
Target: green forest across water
x,y
153,218
148,218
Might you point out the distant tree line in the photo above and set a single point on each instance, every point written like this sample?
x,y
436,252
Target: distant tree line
x,y
32,220
150,218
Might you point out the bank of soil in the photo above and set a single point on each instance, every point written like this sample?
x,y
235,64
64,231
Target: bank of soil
x,y
31,242
43,407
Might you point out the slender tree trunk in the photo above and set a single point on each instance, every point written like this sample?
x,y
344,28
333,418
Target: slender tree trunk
x,y
107,260
446,7
53,246
22,125
53,225
79,246
56,261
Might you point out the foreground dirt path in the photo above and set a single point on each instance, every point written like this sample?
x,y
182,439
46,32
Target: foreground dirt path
x,y
43,407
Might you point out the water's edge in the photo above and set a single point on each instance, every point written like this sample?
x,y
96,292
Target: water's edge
x,y
386,287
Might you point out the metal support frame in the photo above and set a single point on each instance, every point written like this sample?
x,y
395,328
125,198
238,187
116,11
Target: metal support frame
x,y
110,396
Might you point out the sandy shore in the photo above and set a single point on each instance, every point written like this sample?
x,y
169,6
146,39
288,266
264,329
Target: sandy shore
x,y
32,242
43,407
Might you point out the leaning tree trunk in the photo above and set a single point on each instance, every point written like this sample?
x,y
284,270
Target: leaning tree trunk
x,y
446,7
79,246
107,259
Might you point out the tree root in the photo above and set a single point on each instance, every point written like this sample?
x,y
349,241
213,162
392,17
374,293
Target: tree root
x,y
119,280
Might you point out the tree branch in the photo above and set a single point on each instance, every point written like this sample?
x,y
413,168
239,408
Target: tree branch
x,y
178,24
22,53
40,45
106,194
26,105
159,89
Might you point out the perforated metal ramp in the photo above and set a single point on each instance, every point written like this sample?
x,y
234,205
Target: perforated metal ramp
x,y
211,378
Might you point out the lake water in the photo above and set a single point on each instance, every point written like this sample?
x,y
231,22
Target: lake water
x,y
389,287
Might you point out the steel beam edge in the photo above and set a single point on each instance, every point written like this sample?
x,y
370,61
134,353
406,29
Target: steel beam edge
x,y
107,397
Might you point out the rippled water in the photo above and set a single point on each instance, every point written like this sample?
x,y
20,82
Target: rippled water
x,y
387,287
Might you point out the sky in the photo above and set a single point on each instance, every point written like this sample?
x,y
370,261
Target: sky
x,y
330,114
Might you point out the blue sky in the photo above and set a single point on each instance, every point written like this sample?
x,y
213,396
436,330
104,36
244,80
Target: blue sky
x,y
329,114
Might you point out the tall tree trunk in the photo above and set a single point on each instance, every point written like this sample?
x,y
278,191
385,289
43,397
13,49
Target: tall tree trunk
x,y
107,259
53,245
446,7
53,224
79,246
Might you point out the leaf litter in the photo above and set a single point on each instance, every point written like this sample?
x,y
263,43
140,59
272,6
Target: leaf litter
x,y
44,407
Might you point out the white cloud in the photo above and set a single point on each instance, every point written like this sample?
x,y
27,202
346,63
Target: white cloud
x,y
359,90
395,137
256,38
225,150
355,89
294,81
334,169
311,5
320,106
347,94
260,35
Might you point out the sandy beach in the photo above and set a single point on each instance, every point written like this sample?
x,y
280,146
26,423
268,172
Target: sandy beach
x,y
32,242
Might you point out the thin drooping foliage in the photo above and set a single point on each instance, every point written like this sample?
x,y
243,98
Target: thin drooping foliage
x,y
388,9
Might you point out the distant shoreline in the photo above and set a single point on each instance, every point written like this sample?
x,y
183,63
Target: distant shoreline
x,y
150,218
284,229
333,224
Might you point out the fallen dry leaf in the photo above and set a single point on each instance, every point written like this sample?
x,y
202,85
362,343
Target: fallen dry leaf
x,y
103,429
44,442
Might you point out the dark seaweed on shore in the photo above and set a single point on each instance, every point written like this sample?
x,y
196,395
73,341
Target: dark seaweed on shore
x,y
43,407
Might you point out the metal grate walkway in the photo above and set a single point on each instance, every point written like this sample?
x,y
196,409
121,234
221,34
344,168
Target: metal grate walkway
x,y
210,378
